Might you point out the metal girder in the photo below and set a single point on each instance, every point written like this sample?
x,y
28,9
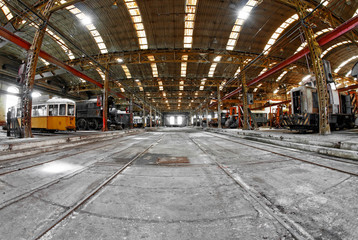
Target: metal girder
x,y
32,57
317,64
26,45
165,56
246,109
339,31
326,16
64,5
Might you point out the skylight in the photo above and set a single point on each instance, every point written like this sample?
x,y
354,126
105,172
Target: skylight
x,y
181,85
153,66
189,22
202,84
281,76
160,83
279,31
213,66
6,10
317,34
242,16
345,63
139,85
89,25
334,46
134,11
222,85
126,71
184,64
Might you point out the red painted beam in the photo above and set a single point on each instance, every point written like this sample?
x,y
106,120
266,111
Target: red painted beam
x,y
339,31
26,45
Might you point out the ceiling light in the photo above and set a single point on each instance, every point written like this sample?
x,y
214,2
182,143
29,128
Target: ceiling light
x,y
120,60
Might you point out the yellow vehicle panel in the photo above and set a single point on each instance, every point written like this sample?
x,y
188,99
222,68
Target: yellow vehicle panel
x,y
39,122
62,123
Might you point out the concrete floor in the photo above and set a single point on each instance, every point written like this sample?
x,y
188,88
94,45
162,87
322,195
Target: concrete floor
x,y
231,188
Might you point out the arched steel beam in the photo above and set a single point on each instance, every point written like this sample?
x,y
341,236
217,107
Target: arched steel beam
x,y
339,31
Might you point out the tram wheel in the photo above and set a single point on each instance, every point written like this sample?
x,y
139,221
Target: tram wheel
x,y
82,124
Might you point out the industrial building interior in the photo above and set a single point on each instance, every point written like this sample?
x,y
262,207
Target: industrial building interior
x,y
178,119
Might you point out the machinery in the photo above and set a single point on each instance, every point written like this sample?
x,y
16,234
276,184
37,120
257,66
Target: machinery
x,y
304,102
137,122
89,116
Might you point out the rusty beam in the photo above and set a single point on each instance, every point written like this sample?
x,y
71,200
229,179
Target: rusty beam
x,y
62,6
26,45
339,31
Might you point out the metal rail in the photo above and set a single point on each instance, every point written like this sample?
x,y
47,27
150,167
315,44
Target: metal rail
x,y
294,158
48,184
93,193
297,231
70,145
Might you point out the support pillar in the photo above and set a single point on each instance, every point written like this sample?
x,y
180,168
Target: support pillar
x,y
245,125
3,109
131,112
150,117
143,116
201,118
32,57
219,107
155,117
207,115
317,64
105,100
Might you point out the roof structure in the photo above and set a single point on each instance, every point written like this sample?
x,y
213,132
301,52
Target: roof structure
x,y
174,54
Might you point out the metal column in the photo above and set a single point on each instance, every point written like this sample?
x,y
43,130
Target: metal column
x,y
143,116
105,100
245,125
150,117
32,57
219,107
131,112
317,64
207,114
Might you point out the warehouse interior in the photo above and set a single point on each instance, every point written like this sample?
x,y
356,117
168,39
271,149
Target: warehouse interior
x,y
182,103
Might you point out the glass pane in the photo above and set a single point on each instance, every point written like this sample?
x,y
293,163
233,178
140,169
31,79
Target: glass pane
x,y
71,110
42,110
62,109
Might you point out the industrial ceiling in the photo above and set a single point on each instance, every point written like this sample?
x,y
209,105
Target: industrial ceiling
x,y
175,54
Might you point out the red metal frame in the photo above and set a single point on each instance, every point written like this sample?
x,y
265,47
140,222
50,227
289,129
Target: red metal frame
x,y
339,31
26,45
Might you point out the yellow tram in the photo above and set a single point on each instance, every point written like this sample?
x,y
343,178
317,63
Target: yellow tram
x,y
55,114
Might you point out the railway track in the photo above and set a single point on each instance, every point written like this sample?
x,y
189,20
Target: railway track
x,y
296,230
93,193
345,163
67,143
18,166
50,183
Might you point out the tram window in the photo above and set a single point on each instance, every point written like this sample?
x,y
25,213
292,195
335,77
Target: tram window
x,y
71,110
35,111
42,110
62,109
53,110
